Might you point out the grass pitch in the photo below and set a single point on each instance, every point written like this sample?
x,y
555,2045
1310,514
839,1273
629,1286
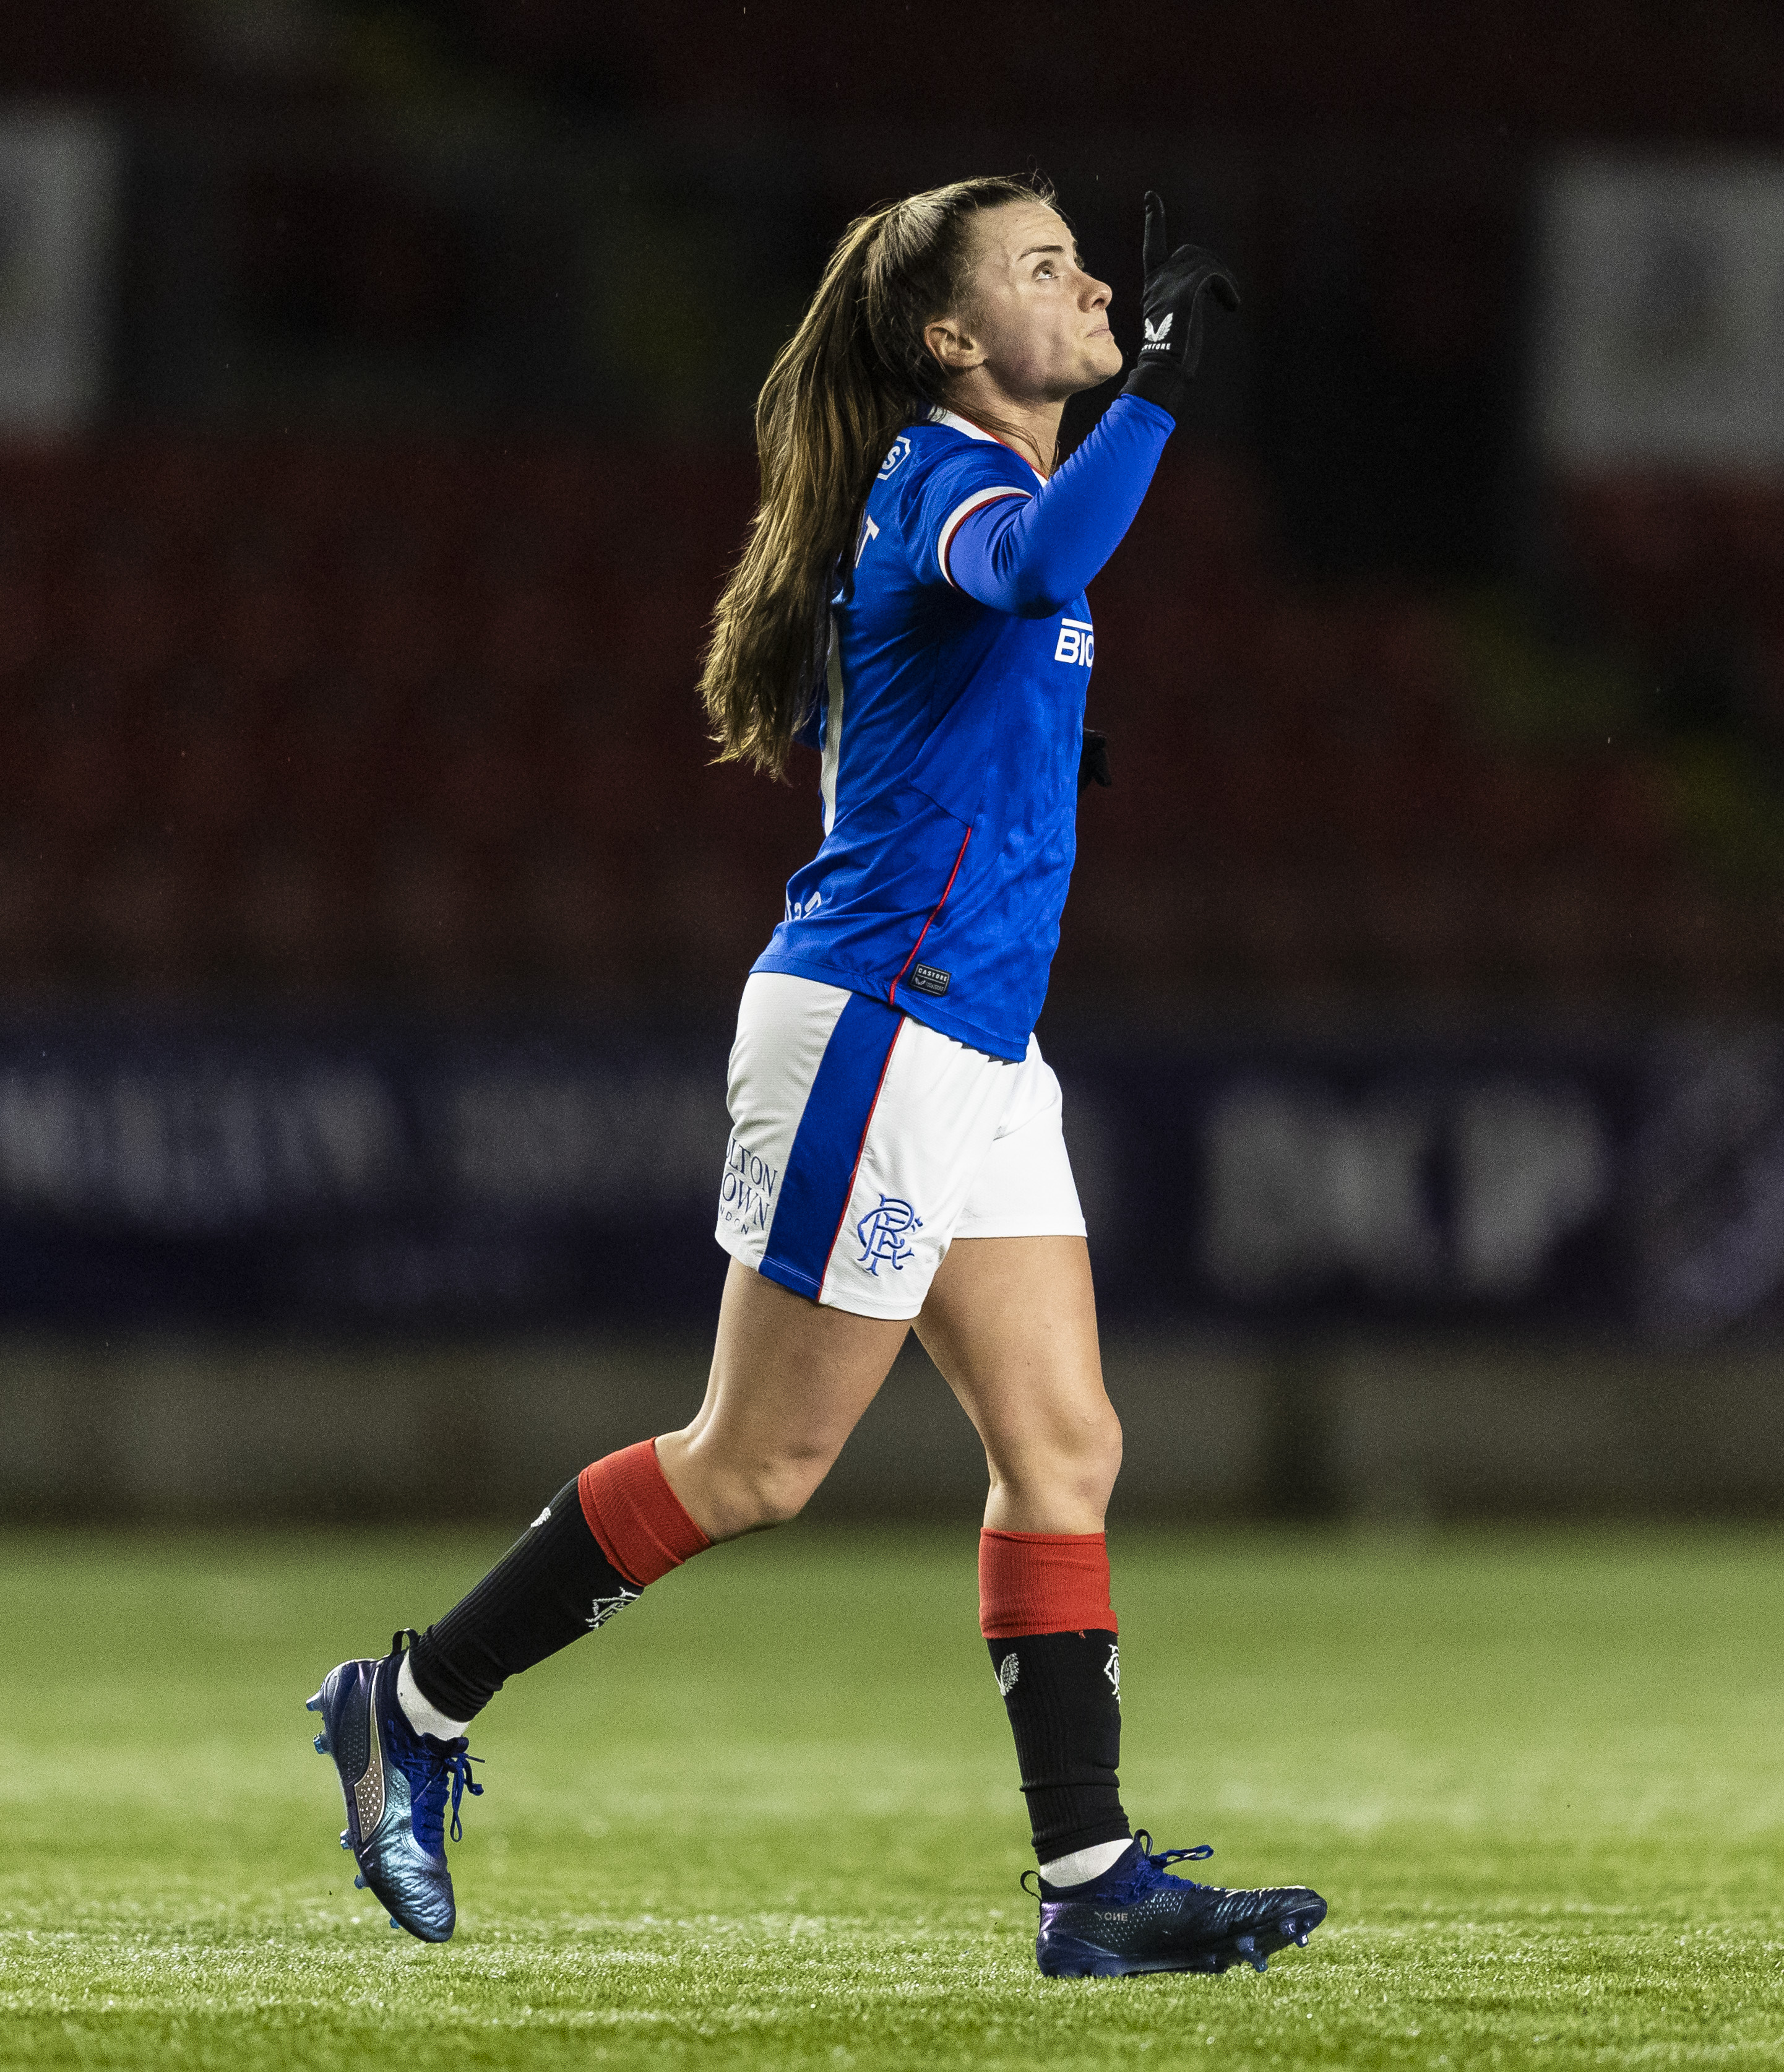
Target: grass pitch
x,y
769,1817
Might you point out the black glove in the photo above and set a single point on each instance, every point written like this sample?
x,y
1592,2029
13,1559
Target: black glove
x,y
1093,759
1170,307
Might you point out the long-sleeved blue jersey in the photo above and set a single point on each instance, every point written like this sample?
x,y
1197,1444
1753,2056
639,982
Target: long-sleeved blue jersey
x,y
960,648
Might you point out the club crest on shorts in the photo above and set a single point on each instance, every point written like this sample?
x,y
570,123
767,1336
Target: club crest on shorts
x,y
881,1234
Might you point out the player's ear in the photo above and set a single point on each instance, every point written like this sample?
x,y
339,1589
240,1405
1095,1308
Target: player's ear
x,y
951,345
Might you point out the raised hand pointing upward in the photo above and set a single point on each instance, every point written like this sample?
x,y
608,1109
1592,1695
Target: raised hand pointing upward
x,y
1170,308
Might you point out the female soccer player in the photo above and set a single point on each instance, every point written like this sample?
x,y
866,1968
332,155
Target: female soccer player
x,y
910,601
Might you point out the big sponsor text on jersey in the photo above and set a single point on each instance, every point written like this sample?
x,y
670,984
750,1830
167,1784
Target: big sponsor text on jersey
x,y
1076,642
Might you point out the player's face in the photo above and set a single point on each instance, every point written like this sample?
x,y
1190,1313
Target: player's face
x,y
1040,320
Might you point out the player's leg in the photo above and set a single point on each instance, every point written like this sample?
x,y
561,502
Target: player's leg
x,y
789,1376
1010,1319
1011,1322
808,1068
788,1382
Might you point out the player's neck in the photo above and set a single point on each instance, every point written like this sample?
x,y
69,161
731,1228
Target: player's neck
x,y
1030,425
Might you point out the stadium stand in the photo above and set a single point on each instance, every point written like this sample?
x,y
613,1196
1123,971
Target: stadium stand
x,y
305,718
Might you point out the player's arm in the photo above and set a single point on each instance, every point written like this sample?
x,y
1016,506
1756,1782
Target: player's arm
x,y
1033,555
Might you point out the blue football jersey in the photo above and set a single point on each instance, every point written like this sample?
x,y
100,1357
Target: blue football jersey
x,y
951,729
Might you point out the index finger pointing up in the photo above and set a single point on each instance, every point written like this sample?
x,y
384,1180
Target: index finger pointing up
x,y
1155,247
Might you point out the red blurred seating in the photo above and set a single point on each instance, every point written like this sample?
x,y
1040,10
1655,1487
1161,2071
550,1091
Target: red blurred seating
x,y
301,714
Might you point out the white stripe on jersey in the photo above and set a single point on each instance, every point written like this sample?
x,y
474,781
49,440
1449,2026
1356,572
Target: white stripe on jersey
x,y
951,524
960,513
941,417
832,728
959,424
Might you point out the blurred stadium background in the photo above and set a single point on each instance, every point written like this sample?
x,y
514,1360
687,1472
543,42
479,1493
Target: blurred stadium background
x,y
375,393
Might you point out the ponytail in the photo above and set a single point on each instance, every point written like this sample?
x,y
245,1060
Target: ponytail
x,y
853,374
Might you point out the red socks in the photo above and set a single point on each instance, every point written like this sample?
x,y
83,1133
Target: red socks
x,y
1043,1582
637,1519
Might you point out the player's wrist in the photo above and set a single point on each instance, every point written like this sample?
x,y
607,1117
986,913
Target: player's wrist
x,y
1162,382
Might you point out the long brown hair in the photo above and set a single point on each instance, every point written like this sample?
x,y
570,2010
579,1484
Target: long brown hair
x,y
854,373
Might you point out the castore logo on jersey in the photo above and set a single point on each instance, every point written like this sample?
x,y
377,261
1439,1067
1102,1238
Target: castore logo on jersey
x,y
880,1232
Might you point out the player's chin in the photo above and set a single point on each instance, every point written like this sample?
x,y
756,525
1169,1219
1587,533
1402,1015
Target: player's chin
x,y
1091,370
1105,356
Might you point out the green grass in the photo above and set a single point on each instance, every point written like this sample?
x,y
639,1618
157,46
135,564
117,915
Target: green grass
x,y
768,1818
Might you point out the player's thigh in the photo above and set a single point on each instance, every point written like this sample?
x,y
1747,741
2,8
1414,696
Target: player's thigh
x,y
1011,1322
1011,1315
789,1376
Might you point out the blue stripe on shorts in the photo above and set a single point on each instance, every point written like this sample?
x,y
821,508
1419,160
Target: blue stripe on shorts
x,y
826,1146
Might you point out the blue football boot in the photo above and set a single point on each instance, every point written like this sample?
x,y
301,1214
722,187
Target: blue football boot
x,y
1135,1917
394,1781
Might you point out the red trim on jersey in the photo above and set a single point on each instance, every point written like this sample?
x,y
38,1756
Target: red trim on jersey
x,y
1043,1582
861,1153
892,990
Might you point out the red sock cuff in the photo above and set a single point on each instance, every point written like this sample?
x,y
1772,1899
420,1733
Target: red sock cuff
x,y
1043,1582
636,1516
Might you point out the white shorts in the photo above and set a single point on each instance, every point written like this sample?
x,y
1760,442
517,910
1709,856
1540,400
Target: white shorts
x,y
864,1143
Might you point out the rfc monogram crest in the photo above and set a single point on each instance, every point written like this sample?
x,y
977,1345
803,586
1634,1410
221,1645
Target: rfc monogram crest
x,y
881,1233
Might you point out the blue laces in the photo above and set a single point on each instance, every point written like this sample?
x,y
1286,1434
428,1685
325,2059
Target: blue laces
x,y
457,1764
1164,1857
445,1764
1147,1871
1144,1874
429,1765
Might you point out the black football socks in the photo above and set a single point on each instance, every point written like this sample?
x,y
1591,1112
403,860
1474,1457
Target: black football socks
x,y
553,1585
1062,1692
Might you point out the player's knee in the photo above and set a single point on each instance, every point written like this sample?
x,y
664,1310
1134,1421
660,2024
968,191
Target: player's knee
x,y
771,1489
778,1494
1096,1460
1077,1464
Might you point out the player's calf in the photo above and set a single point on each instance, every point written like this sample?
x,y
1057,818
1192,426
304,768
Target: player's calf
x,y
396,1727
